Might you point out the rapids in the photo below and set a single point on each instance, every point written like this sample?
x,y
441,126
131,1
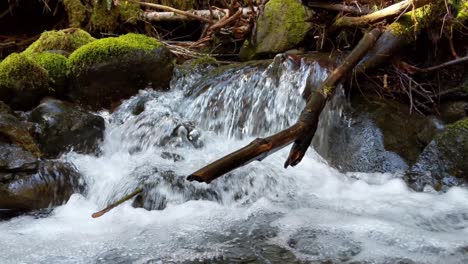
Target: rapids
x,y
260,213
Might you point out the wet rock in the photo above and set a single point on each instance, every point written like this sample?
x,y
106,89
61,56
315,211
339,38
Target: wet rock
x,y
44,184
277,29
155,191
443,163
111,69
454,111
63,126
15,137
372,135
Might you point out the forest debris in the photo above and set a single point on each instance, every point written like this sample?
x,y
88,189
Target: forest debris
x,y
119,202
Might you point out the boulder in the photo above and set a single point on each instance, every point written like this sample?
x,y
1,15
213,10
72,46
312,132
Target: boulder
x,y
279,28
23,82
64,126
372,135
15,133
67,40
443,163
39,185
111,69
56,66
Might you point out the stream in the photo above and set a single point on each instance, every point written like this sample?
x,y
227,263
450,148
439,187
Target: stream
x,y
260,213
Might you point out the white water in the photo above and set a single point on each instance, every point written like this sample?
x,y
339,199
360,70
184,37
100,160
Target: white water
x,y
264,213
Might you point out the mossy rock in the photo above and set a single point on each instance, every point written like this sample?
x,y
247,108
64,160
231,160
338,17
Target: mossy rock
x,y
281,27
111,69
56,66
443,163
23,82
76,11
106,18
66,40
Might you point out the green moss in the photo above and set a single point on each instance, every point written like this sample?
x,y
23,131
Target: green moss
x,y
293,14
107,20
19,72
206,59
462,15
410,24
280,28
107,48
129,12
67,40
76,12
55,64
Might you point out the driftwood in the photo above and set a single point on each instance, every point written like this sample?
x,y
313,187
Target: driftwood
x,y
388,12
300,133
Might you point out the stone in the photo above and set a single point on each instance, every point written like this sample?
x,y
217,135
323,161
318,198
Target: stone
x,y
64,126
443,163
279,28
110,69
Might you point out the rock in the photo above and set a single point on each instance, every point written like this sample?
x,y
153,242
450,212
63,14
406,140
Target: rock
x,y
15,132
454,111
111,69
45,184
67,40
23,82
63,126
443,163
279,28
56,66
372,135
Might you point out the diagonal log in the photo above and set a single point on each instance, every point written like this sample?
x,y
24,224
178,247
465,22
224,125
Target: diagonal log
x,y
388,12
300,133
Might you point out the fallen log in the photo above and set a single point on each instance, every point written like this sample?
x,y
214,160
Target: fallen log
x,y
300,133
355,10
388,12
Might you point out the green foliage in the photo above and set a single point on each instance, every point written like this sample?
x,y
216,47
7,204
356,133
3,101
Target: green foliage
x,y
76,12
19,72
67,40
106,49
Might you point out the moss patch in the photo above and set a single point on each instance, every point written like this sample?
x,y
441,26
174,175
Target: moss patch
x,y
281,27
203,60
108,48
76,12
55,64
19,72
107,20
68,40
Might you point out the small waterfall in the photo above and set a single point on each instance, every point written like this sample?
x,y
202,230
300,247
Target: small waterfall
x,y
260,212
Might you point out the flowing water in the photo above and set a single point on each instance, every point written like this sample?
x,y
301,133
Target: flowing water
x,y
260,213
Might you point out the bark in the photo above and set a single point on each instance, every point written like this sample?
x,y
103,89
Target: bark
x,y
172,16
301,133
388,12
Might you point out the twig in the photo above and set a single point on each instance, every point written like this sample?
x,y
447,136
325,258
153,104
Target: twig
x,y
443,65
119,202
177,11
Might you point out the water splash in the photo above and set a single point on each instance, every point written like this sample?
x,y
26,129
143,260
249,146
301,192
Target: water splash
x,y
260,212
